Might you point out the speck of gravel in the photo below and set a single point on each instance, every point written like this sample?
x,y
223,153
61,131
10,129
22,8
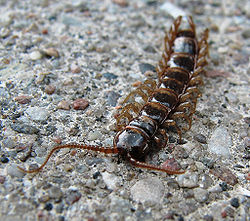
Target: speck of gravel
x,y
35,55
220,142
51,52
180,153
208,162
247,142
94,161
200,138
4,159
2,179
72,196
223,186
109,76
171,164
64,105
94,135
111,98
146,67
24,128
206,181
37,113
173,184
13,171
235,202
48,206
149,48
200,195
110,180
225,174
50,89
188,180
149,189
246,34
208,218
23,99
188,206
8,142
96,175
80,104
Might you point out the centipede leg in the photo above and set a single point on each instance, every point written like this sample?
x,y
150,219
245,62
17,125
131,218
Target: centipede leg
x,y
196,80
168,43
125,115
161,139
186,105
172,123
177,115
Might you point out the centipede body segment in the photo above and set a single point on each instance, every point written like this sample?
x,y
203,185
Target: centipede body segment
x,y
174,96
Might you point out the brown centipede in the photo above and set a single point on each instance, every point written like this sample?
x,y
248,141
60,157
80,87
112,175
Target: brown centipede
x,y
174,96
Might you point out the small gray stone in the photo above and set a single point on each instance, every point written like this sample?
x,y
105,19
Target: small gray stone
x,y
206,181
246,34
149,189
146,67
37,113
23,128
55,193
13,171
200,195
94,135
109,76
188,180
110,180
112,98
35,55
220,142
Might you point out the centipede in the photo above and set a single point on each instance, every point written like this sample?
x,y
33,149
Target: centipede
x,y
142,127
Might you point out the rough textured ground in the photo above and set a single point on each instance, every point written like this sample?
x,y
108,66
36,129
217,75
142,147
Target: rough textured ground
x,y
53,53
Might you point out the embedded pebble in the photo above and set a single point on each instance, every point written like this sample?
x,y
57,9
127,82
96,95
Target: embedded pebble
x,y
23,99
37,113
220,142
148,189
112,98
55,193
171,164
172,9
64,105
51,52
75,69
200,138
35,55
200,195
110,180
206,181
235,202
246,34
109,76
2,179
80,104
72,196
24,128
188,180
13,171
50,89
225,174
94,135
146,67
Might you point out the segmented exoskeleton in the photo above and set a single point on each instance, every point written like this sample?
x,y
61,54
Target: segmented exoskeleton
x,y
173,97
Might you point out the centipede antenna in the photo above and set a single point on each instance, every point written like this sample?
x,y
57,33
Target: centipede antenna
x,y
140,164
108,150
